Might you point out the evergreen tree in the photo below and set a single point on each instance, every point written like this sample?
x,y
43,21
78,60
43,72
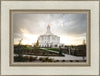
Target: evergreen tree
x,y
60,51
37,43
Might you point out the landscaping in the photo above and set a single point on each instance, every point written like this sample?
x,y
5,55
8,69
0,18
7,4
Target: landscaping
x,y
24,50
41,59
54,49
24,53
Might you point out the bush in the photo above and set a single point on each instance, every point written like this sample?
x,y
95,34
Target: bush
x,y
26,58
51,60
47,59
57,60
71,60
40,59
63,60
77,60
43,60
32,58
19,59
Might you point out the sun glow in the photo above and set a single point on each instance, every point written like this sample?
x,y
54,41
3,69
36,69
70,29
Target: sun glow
x,y
68,40
28,39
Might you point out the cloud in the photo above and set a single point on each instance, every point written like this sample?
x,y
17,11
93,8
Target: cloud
x,y
74,24
61,24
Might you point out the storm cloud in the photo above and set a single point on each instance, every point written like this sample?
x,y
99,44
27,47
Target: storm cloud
x,y
61,24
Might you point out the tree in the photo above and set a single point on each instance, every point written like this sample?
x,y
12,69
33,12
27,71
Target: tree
x,y
60,51
20,41
37,43
20,48
84,42
75,52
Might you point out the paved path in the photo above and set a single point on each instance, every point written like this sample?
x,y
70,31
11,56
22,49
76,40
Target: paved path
x,y
65,57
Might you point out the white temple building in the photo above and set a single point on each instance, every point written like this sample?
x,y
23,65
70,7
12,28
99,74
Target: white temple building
x,y
49,39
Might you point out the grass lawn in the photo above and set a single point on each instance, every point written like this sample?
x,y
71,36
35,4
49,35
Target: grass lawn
x,y
31,48
53,49
43,49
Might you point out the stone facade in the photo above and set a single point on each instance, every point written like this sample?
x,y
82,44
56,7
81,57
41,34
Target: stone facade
x,y
49,39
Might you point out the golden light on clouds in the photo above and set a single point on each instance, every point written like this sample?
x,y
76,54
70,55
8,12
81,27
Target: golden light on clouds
x,y
29,39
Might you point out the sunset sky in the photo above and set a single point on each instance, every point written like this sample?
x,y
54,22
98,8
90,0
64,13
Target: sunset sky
x,y
71,28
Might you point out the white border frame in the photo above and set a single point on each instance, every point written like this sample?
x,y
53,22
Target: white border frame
x,y
70,70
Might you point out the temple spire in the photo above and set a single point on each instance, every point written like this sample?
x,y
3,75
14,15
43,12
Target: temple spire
x,y
48,27
48,30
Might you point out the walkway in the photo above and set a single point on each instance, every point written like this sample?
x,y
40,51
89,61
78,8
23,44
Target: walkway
x,y
66,56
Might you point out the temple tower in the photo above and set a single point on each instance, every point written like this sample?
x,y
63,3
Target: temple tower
x,y
48,30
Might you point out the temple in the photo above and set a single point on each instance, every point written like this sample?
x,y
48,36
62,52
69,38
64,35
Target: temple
x,y
49,39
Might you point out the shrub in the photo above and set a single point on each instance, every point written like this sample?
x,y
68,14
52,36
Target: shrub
x,y
26,58
19,59
43,60
71,60
30,58
63,60
47,59
51,60
34,58
77,60
57,60
40,59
